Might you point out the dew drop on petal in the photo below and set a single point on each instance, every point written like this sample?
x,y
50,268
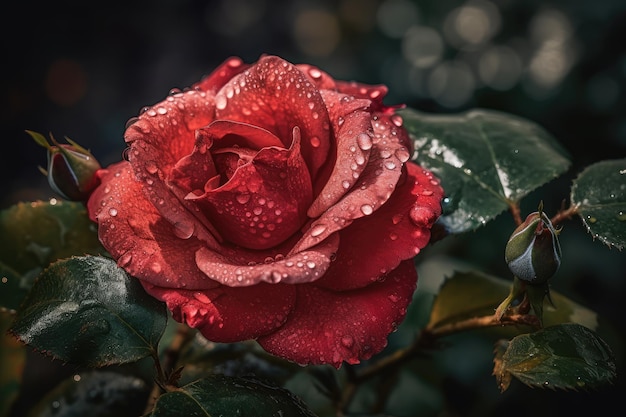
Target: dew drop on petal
x,y
184,230
151,167
113,212
396,119
402,154
315,73
364,141
242,198
347,341
317,230
315,142
367,209
220,102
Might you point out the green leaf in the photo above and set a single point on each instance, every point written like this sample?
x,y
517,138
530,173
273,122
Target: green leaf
x,y
485,160
87,310
599,193
95,394
221,395
37,234
201,357
566,356
12,361
466,295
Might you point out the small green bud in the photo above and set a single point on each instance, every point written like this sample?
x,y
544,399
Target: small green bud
x,y
533,252
71,168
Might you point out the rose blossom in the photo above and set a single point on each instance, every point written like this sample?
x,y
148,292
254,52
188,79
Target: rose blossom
x,y
272,202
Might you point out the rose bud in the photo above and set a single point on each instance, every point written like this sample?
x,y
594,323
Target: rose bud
x,y
533,252
71,168
271,202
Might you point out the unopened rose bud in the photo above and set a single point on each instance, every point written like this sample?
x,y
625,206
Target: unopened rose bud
x,y
533,252
71,168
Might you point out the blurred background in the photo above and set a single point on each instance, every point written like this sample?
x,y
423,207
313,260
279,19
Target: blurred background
x,y
81,70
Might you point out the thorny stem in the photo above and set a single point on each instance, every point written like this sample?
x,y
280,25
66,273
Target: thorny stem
x,y
564,214
165,374
515,211
426,339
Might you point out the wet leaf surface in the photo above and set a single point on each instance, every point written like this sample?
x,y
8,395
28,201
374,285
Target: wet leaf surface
x,y
37,234
485,160
228,396
599,191
566,356
86,310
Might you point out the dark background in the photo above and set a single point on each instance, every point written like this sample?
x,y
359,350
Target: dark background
x,y
83,69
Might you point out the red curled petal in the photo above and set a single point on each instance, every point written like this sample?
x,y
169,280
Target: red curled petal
x,y
135,234
376,93
226,314
275,95
322,80
329,327
265,200
374,186
221,75
353,135
302,267
374,245
161,137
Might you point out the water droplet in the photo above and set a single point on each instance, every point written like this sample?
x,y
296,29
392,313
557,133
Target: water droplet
x,y
347,341
315,73
242,198
345,184
151,167
317,230
591,219
113,212
397,218
315,142
402,154
310,264
367,209
184,230
427,192
125,259
393,236
621,216
396,119
220,102
364,141
390,165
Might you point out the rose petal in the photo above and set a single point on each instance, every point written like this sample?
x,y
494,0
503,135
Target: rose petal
x,y
134,233
235,269
226,314
275,95
265,200
373,188
376,93
374,245
158,140
322,80
221,75
354,133
332,327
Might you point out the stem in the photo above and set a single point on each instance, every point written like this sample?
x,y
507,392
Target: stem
x,y
564,214
515,211
426,338
165,373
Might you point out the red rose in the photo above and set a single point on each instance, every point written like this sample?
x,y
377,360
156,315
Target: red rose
x,y
272,202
